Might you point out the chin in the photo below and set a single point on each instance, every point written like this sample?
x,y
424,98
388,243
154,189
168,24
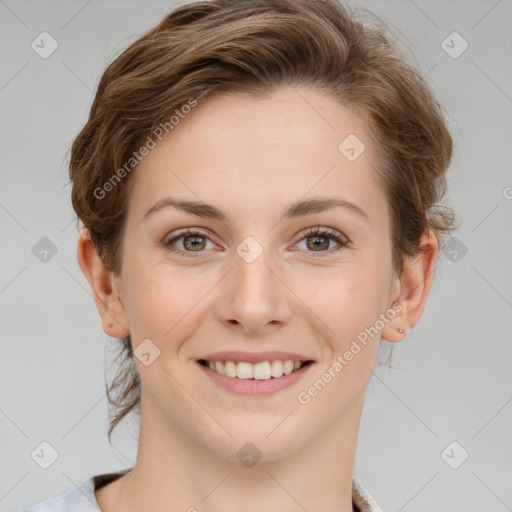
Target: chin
x,y
259,440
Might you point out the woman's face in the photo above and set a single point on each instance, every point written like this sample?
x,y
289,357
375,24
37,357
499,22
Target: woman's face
x,y
256,279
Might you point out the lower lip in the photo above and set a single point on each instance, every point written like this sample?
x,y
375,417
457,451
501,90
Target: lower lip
x,y
255,387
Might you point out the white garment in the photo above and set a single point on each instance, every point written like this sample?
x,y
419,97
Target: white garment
x,y
82,499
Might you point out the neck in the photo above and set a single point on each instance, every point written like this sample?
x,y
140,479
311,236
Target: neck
x,y
175,472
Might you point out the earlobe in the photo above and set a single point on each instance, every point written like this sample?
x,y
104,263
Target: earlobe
x,y
396,329
102,283
414,286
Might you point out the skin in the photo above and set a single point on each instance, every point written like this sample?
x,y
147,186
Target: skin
x,y
255,157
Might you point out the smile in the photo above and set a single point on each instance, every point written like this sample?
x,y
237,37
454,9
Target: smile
x,y
263,370
258,379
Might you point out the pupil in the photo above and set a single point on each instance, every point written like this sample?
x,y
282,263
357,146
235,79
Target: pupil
x,y
194,242
320,245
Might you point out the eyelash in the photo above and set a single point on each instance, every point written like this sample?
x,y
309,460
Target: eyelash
x,y
310,233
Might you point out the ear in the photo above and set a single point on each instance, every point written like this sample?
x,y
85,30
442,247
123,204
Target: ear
x,y
103,284
411,288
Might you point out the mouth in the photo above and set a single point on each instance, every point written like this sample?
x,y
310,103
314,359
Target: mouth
x,y
264,370
254,379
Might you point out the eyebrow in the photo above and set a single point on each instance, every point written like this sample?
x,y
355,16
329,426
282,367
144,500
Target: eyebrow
x,y
294,210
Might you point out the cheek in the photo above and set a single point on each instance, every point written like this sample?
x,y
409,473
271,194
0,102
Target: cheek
x,y
345,299
348,303
166,301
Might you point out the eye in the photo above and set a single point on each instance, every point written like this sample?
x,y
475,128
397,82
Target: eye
x,y
191,240
318,240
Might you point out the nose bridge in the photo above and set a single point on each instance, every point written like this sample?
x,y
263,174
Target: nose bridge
x,y
255,296
252,269
254,280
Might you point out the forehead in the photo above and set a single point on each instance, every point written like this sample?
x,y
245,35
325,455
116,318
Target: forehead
x,y
246,153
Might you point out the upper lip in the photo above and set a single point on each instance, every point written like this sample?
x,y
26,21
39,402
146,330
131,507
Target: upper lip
x,y
254,357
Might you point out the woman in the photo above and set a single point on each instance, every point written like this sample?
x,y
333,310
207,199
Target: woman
x,y
259,185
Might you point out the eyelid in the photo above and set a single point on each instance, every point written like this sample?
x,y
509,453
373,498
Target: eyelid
x,y
323,231
188,231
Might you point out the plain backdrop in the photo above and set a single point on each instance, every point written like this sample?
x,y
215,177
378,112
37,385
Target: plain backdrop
x,y
449,393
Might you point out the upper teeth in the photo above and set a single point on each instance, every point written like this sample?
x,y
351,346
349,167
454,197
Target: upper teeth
x,y
262,371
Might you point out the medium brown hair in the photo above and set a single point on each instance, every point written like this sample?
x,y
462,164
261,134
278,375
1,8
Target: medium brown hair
x,y
253,47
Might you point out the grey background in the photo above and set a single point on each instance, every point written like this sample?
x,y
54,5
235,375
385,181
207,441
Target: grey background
x,y
450,379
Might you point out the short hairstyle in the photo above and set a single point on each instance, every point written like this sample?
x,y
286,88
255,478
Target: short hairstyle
x,y
253,47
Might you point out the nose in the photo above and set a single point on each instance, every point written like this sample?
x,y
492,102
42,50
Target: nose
x,y
254,298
